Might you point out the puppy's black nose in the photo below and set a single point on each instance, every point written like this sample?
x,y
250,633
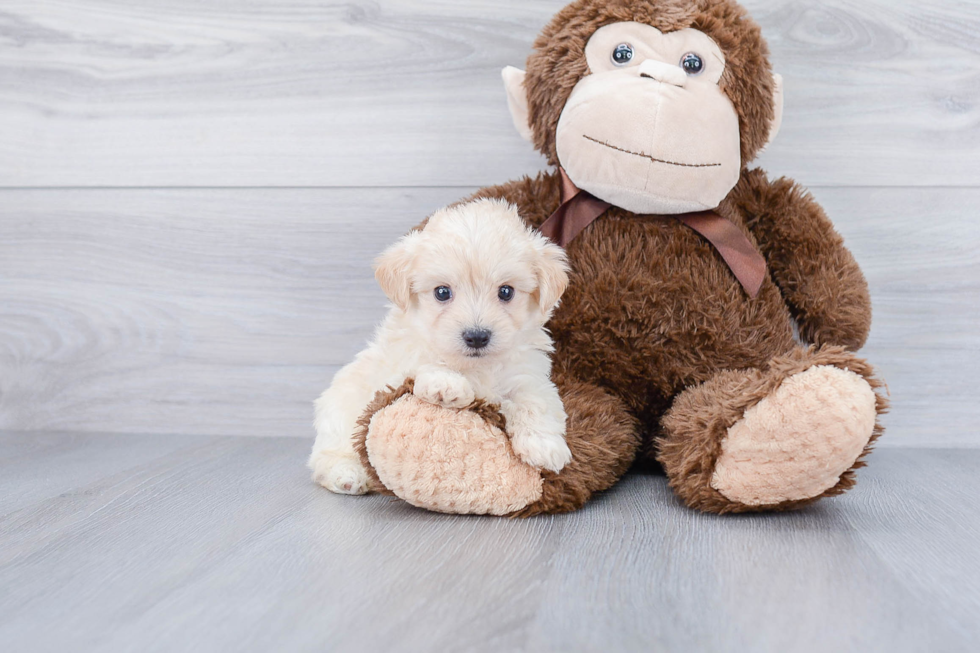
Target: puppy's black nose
x,y
476,338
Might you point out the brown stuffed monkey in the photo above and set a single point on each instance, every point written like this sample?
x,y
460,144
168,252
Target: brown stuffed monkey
x,y
675,339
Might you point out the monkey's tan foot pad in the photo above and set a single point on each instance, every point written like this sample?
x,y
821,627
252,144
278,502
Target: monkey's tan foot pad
x,y
797,442
443,459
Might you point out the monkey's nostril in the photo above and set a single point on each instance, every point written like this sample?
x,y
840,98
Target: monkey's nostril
x,y
659,71
666,79
476,338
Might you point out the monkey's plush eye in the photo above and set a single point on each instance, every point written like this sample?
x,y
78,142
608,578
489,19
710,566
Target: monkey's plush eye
x,y
506,293
692,64
623,54
444,294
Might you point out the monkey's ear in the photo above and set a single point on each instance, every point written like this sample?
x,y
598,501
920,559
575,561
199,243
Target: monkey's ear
x,y
517,101
778,99
393,270
552,273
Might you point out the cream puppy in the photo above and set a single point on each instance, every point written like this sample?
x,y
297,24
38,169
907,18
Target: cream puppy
x,y
470,296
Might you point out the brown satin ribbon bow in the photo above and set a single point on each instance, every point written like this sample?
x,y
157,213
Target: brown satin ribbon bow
x,y
579,209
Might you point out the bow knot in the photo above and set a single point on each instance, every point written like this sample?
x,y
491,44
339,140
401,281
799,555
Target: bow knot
x,y
579,209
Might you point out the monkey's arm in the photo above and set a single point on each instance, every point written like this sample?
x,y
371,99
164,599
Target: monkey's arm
x,y
818,276
536,198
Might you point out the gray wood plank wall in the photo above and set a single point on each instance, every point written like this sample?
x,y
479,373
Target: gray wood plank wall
x,y
191,191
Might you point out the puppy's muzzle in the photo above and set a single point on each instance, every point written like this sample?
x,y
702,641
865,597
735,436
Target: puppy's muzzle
x,y
477,338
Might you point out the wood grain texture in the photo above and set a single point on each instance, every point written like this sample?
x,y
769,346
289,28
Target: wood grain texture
x,y
193,93
168,309
224,544
227,312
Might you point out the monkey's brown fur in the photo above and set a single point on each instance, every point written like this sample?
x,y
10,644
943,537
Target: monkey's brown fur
x,y
658,348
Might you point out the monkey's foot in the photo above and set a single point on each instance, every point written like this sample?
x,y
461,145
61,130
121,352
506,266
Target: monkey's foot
x,y
462,461
776,438
796,443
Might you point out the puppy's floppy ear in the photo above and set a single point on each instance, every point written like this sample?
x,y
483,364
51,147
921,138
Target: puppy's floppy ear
x,y
552,272
393,269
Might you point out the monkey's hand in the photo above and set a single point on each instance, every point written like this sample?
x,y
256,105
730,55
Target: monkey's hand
x,y
819,278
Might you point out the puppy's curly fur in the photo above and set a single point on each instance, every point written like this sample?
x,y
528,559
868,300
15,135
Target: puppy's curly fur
x,y
471,293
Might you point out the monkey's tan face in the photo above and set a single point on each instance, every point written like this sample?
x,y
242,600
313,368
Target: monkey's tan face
x,y
649,130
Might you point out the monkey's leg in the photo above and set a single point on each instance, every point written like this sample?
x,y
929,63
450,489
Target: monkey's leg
x,y
776,438
603,438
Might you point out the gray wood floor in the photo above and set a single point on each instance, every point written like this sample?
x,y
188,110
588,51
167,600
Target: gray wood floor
x,y
146,543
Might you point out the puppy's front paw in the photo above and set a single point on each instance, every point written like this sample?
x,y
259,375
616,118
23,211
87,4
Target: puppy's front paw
x,y
540,450
339,474
445,389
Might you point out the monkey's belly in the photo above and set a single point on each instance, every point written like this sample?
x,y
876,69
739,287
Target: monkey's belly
x,y
652,308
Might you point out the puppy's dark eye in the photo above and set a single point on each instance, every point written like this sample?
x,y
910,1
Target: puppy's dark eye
x,y
444,293
692,64
506,293
623,54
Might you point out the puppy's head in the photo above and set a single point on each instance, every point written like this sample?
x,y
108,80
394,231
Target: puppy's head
x,y
476,281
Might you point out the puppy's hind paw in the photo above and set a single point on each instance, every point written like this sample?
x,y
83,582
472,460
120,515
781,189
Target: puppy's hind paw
x,y
545,452
340,474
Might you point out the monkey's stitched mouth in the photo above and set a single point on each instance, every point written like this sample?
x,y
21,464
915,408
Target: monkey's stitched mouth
x,y
652,158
